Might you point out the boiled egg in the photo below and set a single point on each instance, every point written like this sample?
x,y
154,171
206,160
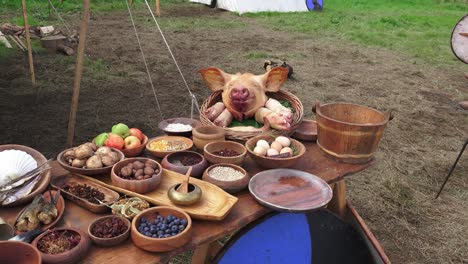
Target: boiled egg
x,y
263,143
272,152
287,150
276,145
284,141
260,151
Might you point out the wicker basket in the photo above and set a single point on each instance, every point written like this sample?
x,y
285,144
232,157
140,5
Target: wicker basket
x,y
245,135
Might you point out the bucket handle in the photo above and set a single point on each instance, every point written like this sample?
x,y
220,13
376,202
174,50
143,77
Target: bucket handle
x,y
388,115
316,106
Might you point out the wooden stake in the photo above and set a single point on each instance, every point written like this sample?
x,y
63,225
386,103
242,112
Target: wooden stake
x,y
78,73
158,8
28,41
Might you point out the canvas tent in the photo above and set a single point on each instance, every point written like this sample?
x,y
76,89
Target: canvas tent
x,y
253,6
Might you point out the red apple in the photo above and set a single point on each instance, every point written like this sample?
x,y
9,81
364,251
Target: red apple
x,y
115,141
137,133
132,142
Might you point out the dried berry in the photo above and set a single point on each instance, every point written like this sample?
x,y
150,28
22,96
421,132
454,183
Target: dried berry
x,y
85,192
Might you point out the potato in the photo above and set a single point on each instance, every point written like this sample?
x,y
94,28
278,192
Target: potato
x,y
83,152
94,162
78,163
107,160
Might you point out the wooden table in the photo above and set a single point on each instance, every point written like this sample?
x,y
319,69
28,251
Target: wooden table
x,y
206,233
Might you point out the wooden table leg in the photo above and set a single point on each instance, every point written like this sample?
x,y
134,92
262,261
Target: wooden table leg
x,y
338,202
206,252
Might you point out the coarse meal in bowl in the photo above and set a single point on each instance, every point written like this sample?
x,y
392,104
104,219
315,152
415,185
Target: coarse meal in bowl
x,y
229,177
140,175
275,152
165,145
109,230
225,152
180,126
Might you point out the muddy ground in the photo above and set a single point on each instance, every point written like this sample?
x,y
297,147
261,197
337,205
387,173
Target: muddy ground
x,y
395,196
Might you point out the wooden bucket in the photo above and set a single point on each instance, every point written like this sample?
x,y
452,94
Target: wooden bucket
x,y
349,133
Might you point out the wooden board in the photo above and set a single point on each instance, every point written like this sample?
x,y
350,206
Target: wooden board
x,y
215,203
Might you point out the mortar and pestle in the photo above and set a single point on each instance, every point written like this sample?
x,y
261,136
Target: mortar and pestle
x,y
185,193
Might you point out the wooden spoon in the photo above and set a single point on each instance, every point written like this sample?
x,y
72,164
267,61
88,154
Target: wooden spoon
x,y
183,188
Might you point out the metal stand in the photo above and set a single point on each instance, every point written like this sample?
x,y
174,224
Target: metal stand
x,y
453,168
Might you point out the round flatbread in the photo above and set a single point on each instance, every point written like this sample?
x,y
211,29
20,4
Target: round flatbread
x,y
460,39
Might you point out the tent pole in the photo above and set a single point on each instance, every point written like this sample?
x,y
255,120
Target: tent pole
x,y
28,41
78,73
158,8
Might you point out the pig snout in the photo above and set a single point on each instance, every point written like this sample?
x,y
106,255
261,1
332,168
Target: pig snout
x,y
239,94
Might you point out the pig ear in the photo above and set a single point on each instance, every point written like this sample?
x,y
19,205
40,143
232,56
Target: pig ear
x,y
274,78
215,78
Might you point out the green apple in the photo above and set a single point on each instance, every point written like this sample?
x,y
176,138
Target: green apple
x,y
121,130
100,140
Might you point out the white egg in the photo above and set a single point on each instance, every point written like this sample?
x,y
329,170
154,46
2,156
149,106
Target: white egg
x,y
287,150
284,141
260,151
276,145
272,152
263,143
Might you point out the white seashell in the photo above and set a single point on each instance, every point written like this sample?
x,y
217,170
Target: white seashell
x,y
13,164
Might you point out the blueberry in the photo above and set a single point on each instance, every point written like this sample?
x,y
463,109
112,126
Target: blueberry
x,y
140,229
181,227
177,221
183,222
160,236
143,220
163,226
173,234
171,224
146,229
167,231
143,224
154,236
166,235
148,234
174,228
160,232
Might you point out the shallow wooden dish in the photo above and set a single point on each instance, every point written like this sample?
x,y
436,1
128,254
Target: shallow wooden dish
x,y
169,162
45,176
273,163
228,186
162,154
203,135
108,242
19,253
290,190
306,131
72,256
110,196
138,186
60,206
221,145
161,244
135,151
181,120
102,170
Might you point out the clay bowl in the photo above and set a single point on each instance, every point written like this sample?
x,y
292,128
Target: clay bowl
x,y
90,172
68,257
108,242
6,231
19,253
60,206
45,176
212,147
307,130
203,135
134,152
161,244
229,186
193,195
173,162
273,163
161,154
180,120
138,186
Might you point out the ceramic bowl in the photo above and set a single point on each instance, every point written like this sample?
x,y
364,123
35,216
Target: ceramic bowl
x,y
306,131
108,242
173,162
193,195
138,186
161,154
19,253
229,186
134,152
273,163
90,172
180,120
161,244
73,255
6,231
212,147
203,135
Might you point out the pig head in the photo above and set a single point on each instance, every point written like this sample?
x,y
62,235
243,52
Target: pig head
x,y
243,94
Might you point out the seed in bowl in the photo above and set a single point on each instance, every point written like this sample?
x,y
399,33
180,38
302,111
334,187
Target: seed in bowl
x,y
225,173
138,170
86,192
226,153
162,227
178,127
58,242
167,145
109,227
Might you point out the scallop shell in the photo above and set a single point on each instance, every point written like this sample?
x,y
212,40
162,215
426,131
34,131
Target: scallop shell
x,y
13,164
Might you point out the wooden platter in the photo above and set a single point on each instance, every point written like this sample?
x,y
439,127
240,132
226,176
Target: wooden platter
x,y
290,190
109,195
215,203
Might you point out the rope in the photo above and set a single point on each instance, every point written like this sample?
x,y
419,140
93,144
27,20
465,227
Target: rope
x,y
61,19
144,60
194,100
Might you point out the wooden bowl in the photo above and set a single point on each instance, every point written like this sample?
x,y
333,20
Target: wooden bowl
x,y
228,186
72,256
172,162
19,253
60,206
203,135
180,120
306,131
161,244
138,186
273,163
134,152
90,172
108,242
162,154
221,145
45,176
